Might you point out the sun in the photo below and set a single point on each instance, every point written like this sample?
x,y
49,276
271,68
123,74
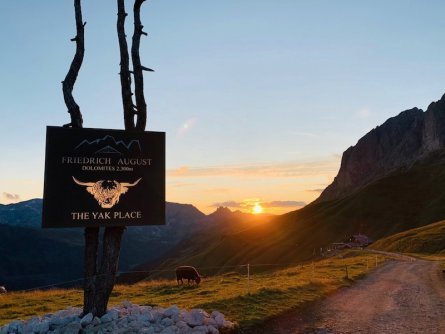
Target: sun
x,y
257,209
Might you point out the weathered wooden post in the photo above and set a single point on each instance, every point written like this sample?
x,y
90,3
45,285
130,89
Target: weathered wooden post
x,y
248,279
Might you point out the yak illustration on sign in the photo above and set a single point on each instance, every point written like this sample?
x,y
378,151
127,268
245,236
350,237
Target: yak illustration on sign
x,y
106,192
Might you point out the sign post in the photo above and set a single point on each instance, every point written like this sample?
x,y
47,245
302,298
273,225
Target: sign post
x,y
121,191
103,178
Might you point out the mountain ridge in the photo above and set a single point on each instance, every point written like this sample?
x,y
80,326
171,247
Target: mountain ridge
x,y
398,143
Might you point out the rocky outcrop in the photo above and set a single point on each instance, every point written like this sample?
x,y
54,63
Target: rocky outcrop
x,y
398,143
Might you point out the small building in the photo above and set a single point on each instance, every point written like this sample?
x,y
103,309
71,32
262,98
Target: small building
x,y
359,240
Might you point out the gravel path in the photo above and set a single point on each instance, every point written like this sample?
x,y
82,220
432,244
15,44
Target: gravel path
x,y
400,297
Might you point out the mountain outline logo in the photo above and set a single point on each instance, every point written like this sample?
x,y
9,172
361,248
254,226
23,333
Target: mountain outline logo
x,y
109,145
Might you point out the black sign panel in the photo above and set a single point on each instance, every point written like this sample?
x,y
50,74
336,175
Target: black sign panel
x,y
96,177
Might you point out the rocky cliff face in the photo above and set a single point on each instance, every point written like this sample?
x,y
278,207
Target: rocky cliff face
x,y
398,143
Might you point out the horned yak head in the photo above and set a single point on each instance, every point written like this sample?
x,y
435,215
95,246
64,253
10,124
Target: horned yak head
x,y
106,192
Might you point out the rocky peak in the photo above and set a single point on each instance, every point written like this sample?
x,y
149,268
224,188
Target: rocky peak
x,y
398,143
222,212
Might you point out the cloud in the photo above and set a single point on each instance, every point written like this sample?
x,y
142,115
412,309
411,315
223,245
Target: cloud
x,y
217,190
181,184
320,190
250,203
11,197
283,204
230,204
180,171
281,170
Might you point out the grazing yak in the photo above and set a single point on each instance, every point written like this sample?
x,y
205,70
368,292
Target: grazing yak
x,y
2,289
188,272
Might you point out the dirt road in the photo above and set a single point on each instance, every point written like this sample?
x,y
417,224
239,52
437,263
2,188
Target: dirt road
x,y
400,297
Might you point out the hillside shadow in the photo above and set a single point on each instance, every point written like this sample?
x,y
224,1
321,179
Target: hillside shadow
x,y
254,309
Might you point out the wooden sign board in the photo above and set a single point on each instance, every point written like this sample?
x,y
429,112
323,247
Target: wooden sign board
x,y
98,177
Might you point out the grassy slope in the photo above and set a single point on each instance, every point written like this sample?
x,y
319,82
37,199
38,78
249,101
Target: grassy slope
x,y
271,293
428,239
401,201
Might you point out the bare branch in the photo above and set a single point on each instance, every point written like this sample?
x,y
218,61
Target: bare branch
x,y
92,233
71,77
146,69
138,68
125,77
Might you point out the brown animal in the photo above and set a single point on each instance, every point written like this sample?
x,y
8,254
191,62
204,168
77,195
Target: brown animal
x,y
188,272
2,289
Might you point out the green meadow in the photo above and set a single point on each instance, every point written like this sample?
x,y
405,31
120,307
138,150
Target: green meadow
x,y
249,303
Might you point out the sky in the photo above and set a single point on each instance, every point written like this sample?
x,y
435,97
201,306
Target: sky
x,y
258,99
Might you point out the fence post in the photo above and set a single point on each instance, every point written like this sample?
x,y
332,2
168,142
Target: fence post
x,y
367,264
376,260
248,279
346,272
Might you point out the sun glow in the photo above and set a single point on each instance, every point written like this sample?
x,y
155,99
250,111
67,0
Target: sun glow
x,y
257,209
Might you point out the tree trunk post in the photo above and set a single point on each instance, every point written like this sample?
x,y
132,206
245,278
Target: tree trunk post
x,y
107,273
98,284
90,267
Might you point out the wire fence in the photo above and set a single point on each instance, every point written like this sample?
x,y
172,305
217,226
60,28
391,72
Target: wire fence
x,y
248,271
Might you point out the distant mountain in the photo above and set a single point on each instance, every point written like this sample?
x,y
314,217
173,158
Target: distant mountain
x,y
391,181
398,143
223,221
429,239
202,246
24,214
32,256
142,243
398,202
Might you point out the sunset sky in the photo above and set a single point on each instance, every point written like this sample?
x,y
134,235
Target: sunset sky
x,y
258,98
